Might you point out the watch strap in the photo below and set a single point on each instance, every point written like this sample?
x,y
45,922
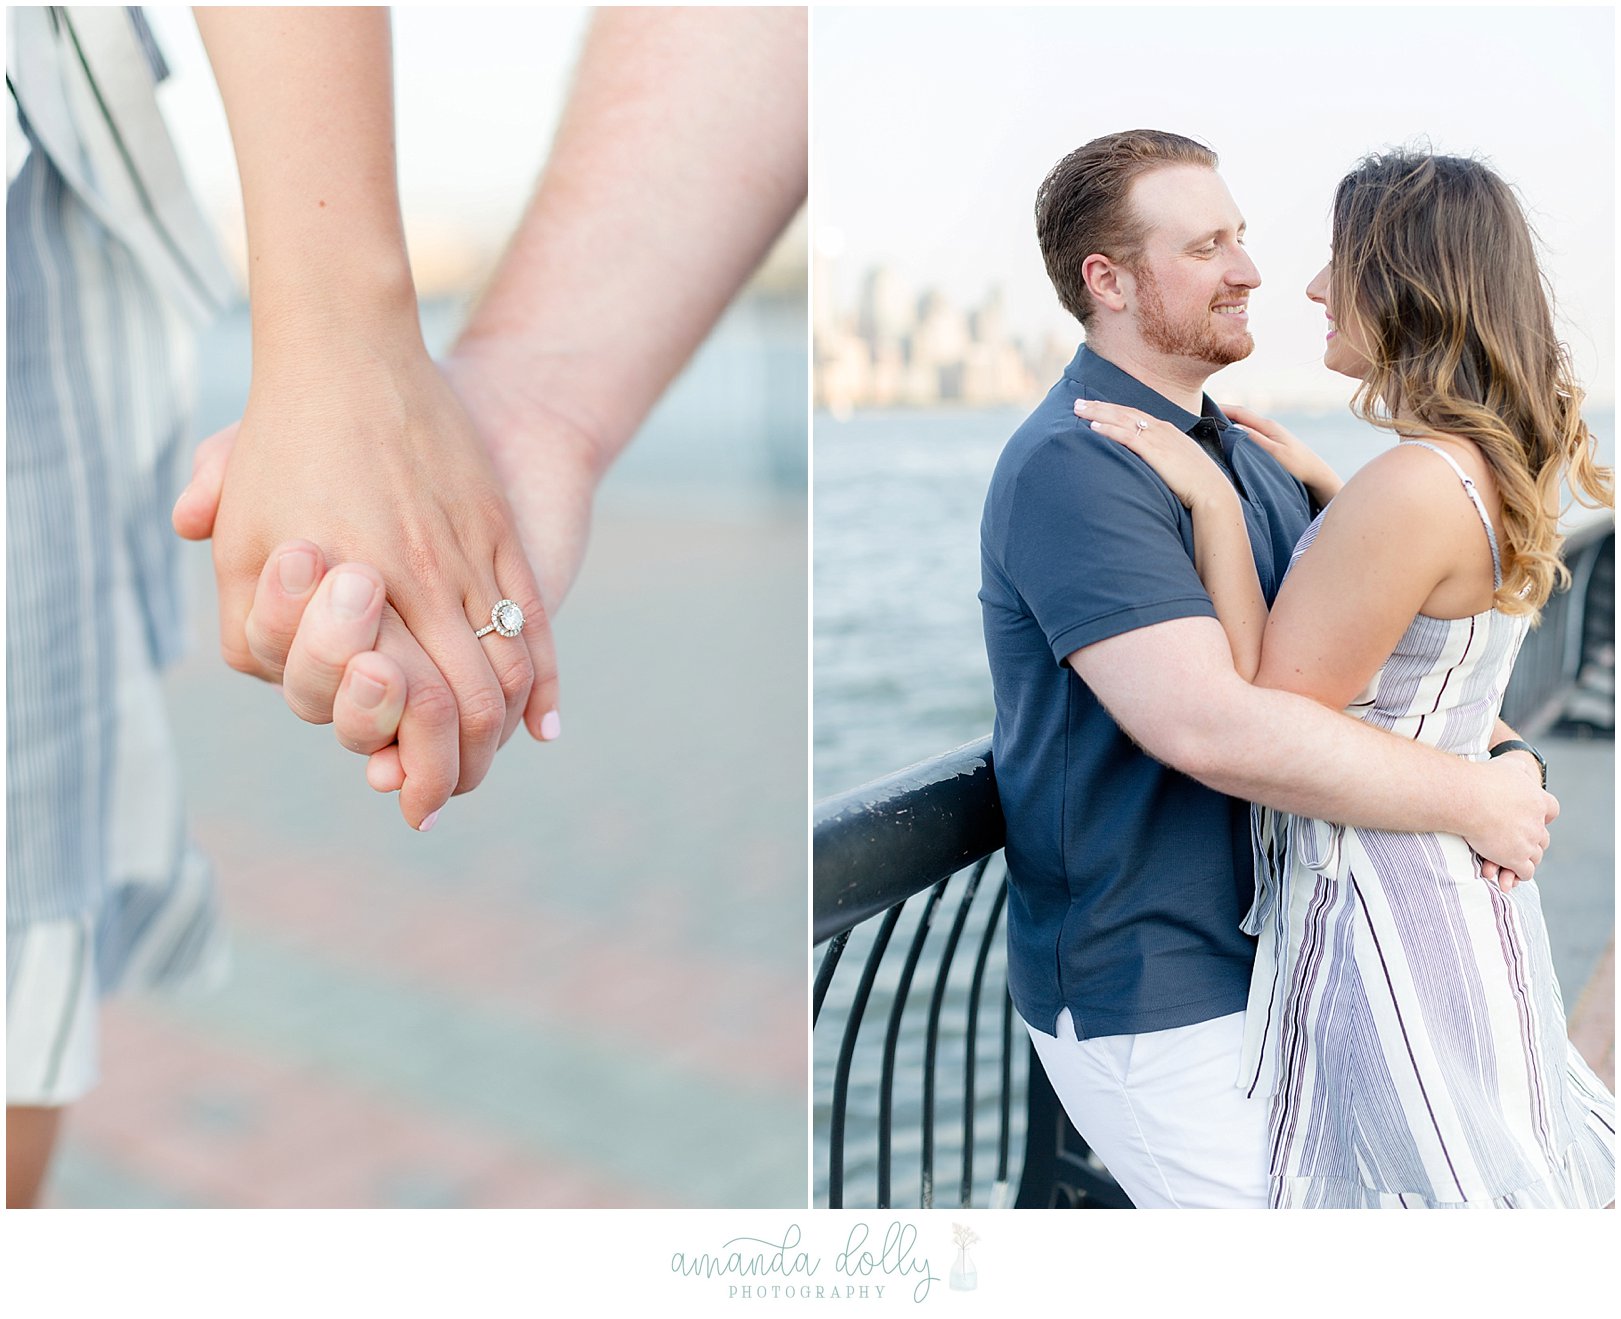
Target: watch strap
x,y
1514,744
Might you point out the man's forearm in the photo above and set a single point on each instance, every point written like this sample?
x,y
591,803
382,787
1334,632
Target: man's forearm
x,y
1288,752
1172,688
680,159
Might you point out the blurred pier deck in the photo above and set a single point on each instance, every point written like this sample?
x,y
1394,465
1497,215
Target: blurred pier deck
x,y
576,991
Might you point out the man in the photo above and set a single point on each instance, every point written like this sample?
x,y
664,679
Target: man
x,y
1126,747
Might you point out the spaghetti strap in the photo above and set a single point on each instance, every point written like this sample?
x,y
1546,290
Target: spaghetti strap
x,y
1474,498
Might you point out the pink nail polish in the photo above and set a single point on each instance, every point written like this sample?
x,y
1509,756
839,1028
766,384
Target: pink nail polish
x,y
551,726
428,823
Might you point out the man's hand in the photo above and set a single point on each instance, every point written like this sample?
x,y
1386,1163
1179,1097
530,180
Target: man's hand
x,y
376,460
1505,878
1514,813
1172,688
324,656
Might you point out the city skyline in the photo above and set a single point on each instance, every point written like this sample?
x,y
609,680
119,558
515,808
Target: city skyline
x,y
930,166
899,345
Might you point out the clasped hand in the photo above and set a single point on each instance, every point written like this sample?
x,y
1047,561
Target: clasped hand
x,y
365,463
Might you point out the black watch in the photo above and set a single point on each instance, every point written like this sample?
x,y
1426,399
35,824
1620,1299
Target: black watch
x,y
1503,747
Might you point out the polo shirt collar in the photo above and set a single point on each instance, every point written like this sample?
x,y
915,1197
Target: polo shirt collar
x,y
1106,381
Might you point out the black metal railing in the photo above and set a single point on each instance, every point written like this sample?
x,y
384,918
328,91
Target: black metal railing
x,y
898,853
1573,642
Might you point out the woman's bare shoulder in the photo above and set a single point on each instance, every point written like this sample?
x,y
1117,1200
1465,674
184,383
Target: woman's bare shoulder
x,y
1408,501
1402,480
1410,472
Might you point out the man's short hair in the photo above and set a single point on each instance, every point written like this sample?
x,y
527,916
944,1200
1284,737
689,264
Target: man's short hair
x,y
1084,207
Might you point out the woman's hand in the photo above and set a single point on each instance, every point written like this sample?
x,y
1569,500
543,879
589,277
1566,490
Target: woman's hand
x,y
549,469
363,449
1222,554
1292,453
1191,473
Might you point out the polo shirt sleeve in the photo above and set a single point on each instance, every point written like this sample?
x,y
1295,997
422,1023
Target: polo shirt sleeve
x,y
1095,543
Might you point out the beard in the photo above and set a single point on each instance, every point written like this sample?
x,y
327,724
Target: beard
x,y
1193,336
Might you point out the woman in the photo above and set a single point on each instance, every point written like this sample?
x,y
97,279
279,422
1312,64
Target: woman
x,y
1404,1016
108,282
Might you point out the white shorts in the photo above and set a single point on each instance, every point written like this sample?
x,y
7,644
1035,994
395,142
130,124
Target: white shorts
x,y
1164,1112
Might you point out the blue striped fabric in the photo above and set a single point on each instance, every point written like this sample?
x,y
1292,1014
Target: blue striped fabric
x,y
60,531
98,376
111,269
1404,1018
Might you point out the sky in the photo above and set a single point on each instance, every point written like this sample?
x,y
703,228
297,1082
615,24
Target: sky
x,y
932,127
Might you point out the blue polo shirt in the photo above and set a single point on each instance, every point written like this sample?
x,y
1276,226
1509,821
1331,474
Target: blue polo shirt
x,y
1127,880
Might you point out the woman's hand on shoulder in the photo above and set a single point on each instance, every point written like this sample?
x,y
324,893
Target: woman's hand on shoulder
x,y
1292,453
1190,472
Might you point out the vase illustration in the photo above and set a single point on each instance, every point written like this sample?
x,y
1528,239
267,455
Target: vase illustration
x,y
964,1276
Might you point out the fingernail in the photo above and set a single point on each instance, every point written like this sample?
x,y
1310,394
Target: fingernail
x,y
429,822
366,692
351,595
297,571
551,726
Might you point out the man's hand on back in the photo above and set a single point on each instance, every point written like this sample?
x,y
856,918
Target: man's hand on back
x,y
1526,811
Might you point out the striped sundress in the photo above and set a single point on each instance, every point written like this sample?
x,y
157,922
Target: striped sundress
x,y
105,891
1404,1018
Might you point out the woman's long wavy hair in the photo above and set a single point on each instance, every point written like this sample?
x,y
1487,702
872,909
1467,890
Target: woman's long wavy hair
x,y
1435,268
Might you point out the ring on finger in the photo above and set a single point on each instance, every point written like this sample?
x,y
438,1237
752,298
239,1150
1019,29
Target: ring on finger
x,y
506,617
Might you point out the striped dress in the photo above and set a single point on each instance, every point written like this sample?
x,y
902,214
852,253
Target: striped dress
x,y
1404,1019
108,273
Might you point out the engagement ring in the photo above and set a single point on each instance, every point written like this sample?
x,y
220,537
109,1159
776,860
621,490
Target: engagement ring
x,y
506,618
1141,425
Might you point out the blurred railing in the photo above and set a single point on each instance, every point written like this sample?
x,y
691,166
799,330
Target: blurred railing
x,y
900,854
1571,652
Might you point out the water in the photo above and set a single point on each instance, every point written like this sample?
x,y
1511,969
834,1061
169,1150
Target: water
x,y
899,660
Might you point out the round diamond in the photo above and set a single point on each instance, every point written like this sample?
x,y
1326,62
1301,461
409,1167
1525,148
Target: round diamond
x,y
507,617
